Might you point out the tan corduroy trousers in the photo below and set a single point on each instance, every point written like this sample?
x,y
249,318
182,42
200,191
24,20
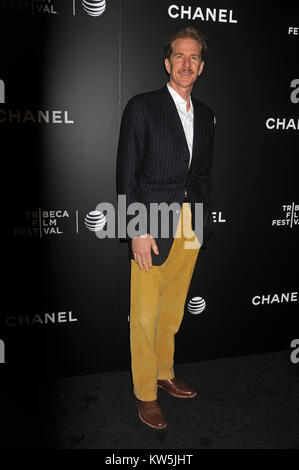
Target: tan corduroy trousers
x,y
157,305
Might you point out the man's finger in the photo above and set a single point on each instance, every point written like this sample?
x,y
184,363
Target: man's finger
x,y
145,263
139,261
149,261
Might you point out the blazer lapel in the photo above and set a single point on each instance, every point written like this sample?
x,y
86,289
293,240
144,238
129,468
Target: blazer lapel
x,y
199,132
174,115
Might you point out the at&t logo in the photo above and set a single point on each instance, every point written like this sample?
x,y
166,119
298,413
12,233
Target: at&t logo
x,y
94,7
95,221
196,305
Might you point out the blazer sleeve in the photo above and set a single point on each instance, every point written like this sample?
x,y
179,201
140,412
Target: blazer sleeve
x,y
206,180
129,158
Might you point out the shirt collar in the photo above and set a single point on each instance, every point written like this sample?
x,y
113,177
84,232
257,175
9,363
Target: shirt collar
x,y
178,99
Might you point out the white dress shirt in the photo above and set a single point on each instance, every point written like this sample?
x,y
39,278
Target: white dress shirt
x,y
187,117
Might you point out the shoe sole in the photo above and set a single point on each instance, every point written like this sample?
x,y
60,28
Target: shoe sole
x,y
177,396
151,425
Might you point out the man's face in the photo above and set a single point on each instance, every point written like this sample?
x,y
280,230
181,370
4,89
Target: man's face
x,y
185,64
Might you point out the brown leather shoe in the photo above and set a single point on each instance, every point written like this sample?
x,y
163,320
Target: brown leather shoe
x,y
176,388
151,414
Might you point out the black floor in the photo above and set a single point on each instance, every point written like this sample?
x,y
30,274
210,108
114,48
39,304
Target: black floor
x,y
249,402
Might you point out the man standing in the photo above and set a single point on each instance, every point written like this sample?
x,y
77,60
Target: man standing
x,y
165,155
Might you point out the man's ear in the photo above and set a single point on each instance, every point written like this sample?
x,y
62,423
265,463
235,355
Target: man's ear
x,y
201,68
167,65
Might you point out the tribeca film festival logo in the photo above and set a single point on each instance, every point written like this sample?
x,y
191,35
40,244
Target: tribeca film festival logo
x,y
33,7
290,219
17,116
295,354
52,318
293,30
93,8
44,222
203,14
48,222
283,123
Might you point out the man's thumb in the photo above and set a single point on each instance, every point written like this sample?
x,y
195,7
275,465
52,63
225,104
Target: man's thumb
x,y
155,248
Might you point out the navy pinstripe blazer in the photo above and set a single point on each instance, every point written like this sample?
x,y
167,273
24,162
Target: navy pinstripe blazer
x,y
153,162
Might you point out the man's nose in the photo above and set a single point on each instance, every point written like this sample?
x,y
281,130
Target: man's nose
x,y
187,62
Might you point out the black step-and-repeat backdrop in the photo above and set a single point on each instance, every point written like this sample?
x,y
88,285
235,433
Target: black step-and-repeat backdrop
x,y
67,69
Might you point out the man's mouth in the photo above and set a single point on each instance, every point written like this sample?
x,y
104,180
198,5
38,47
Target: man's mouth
x,y
186,73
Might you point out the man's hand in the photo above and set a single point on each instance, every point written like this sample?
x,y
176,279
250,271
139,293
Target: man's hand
x,y
141,247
